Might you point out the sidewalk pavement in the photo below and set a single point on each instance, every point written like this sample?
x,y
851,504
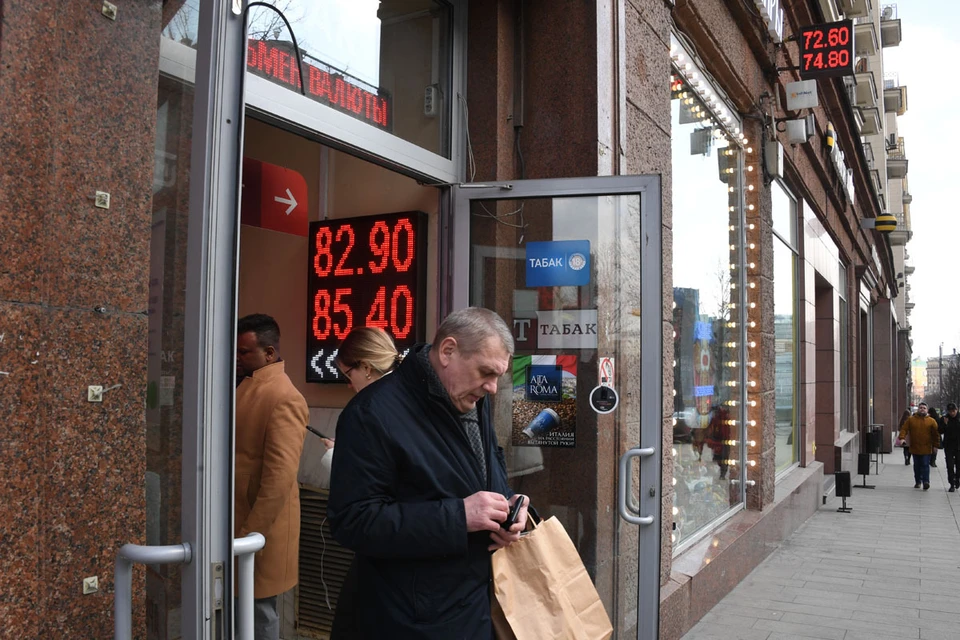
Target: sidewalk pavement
x,y
889,569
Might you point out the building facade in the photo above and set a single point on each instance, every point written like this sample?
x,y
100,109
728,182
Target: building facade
x,y
384,162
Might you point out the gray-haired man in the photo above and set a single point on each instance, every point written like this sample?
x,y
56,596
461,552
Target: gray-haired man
x,y
418,488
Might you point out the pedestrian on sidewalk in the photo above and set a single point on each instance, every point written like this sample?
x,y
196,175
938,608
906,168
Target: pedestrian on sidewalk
x,y
936,416
906,444
924,440
950,430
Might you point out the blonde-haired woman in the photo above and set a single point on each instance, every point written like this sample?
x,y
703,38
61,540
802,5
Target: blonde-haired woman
x,y
365,355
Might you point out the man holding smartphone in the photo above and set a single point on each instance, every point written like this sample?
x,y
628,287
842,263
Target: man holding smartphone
x,y
419,486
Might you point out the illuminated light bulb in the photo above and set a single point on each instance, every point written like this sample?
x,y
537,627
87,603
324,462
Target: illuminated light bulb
x,y
751,226
676,511
674,392
753,265
750,207
733,305
674,334
732,209
749,149
753,305
752,344
752,246
674,481
732,344
753,325
752,423
733,285
732,189
753,443
753,363
673,537
674,305
733,266
753,463
749,187
687,67
753,403
674,422
731,383
733,247
749,168
753,285
674,452
745,141
732,228
674,363
736,130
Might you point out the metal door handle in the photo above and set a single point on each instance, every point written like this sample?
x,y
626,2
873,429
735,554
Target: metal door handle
x,y
623,485
244,549
129,555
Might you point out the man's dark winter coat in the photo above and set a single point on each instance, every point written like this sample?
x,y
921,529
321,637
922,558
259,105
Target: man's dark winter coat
x,y
950,430
402,467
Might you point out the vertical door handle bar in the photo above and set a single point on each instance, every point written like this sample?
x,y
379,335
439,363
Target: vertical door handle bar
x,y
623,485
129,555
244,550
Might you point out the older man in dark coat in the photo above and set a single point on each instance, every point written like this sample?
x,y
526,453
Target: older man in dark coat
x,y
419,489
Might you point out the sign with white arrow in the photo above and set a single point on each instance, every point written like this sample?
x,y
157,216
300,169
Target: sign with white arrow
x,y
290,200
273,197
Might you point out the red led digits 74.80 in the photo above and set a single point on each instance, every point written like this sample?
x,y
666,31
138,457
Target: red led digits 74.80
x,y
826,50
364,271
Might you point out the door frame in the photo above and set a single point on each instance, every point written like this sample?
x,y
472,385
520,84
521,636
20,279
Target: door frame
x,y
210,325
456,296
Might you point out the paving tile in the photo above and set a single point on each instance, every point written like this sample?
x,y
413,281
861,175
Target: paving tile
x,y
876,574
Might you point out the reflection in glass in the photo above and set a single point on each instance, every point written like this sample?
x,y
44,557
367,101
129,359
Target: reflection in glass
x,y
165,347
785,342
386,63
562,319
846,421
707,328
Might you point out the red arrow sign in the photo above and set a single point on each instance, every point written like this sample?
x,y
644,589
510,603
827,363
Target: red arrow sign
x,y
273,197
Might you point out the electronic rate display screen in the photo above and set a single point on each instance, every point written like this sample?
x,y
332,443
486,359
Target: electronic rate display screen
x,y
365,271
826,50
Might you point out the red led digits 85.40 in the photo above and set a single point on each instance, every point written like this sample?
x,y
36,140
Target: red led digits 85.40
x,y
826,50
366,271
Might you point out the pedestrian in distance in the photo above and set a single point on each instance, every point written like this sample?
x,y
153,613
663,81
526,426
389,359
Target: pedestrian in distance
x,y
924,439
906,444
270,426
419,486
950,431
365,355
936,416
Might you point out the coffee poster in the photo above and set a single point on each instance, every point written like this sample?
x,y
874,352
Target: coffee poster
x,y
544,401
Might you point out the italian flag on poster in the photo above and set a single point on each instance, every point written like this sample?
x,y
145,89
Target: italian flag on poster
x,y
545,390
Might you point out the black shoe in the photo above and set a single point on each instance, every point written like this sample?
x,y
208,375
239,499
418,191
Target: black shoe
x,y
933,464
916,486
951,489
907,461
926,485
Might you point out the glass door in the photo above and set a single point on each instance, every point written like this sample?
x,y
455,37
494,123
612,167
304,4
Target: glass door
x,y
574,265
189,548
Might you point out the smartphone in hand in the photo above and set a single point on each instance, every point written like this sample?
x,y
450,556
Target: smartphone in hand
x,y
514,512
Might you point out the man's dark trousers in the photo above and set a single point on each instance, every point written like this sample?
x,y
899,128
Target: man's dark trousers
x,y
952,457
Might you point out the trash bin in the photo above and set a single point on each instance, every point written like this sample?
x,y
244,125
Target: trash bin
x,y
874,436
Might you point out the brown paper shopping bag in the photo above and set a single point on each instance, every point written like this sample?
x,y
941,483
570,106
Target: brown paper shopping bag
x,y
543,592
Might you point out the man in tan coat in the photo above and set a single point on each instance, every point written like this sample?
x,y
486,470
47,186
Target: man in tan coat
x,y
924,439
271,422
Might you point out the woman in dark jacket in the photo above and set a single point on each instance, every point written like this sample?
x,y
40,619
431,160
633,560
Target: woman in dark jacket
x,y
906,445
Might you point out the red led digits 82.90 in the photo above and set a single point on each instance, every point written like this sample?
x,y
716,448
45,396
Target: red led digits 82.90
x,y
366,271
826,50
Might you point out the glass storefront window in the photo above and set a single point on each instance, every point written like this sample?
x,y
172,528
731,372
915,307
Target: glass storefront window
x,y
785,327
707,225
387,63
